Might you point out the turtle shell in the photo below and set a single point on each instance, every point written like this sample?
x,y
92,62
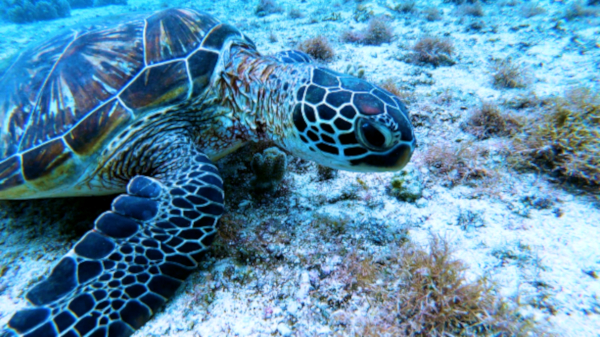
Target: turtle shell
x,y
64,100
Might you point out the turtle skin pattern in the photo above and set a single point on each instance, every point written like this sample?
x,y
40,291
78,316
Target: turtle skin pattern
x,y
121,272
331,106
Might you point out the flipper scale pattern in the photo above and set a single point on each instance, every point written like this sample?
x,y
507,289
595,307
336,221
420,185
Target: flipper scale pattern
x,y
138,254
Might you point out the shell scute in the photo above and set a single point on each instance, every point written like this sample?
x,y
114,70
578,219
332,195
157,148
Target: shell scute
x,y
20,86
93,68
218,35
174,33
202,65
10,173
95,131
49,165
158,86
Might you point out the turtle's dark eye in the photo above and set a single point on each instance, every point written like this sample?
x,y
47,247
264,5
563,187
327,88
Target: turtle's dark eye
x,y
374,136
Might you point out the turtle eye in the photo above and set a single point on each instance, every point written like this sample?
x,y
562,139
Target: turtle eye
x,y
374,136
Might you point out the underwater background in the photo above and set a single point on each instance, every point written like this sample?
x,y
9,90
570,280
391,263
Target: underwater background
x,y
493,229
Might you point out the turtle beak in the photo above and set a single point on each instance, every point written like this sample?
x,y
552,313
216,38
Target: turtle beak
x,y
393,160
404,152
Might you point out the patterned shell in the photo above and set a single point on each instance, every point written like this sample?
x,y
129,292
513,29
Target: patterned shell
x,y
64,100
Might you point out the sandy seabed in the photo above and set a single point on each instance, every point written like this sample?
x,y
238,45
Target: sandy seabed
x,y
536,238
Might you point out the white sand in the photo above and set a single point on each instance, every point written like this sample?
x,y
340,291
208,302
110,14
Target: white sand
x,y
536,257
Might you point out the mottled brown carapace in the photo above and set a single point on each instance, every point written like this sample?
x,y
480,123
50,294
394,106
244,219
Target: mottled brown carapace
x,y
75,99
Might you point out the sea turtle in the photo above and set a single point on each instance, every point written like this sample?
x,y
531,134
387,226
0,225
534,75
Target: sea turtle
x,y
144,106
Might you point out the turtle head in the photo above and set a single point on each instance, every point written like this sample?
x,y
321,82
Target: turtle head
x,y
346,123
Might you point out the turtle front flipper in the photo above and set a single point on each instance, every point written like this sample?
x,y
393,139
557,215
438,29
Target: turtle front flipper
x,y
121,272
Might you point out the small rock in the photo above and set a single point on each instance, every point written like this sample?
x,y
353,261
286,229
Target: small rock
x,y
421,203
314,278
245,204
268,312
592,273
520,209
407,185
558,212
326,173
293,307
284,330
537,201
190,325
303,287
469,220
